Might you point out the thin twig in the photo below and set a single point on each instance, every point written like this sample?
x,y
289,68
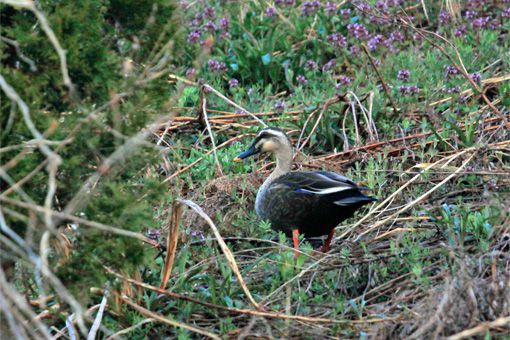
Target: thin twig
x,y
167,320
20,54
173,235
228,254
118,334
54,159
206,119
419,199
99,317
385,87
64,216
216,92
482,327
330,102
31,6
247,311
198,160
461,68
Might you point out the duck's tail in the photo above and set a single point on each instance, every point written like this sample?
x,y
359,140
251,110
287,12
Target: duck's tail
x,y
355,198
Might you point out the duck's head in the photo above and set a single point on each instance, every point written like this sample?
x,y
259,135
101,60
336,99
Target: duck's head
x,y
268,140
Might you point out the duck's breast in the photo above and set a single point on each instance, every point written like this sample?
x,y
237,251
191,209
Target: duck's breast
x,y
283,207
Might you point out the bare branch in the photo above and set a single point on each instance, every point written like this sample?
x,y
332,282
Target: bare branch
x,y
216,92
31,6
228,254
20,54
99,317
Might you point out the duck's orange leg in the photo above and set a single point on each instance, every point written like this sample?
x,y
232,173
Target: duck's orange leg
x,y
295,238
327,243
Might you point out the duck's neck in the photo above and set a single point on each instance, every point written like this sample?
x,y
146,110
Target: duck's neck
x,y
283,162
283,165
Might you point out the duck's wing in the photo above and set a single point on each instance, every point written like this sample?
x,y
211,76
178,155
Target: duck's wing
x,y
316,182
325,185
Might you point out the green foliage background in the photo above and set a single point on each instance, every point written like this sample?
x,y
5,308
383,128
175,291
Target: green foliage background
x,y
98,38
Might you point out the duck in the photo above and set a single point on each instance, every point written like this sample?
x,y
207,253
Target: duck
x,y
309,203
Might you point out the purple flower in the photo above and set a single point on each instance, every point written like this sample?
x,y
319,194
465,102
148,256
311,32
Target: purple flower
x,y
336,39
362,6
492,184
329,65
444,17
404,89
403,75
285,2
311,65
210,26
450,71
414,89
480,23
506,13
450,90
194,36
215,65
409,90
460,31
195,24
475,3
343,81
374,42
358,30
378,20
417,37
463,99
476,77
209,12
270,12
224,24
279,105
225,35
198,234
330,8
345,13
191,72
396,36
301,79
199,18
154,234
354,50
381,5
310,7
233,83
494,24
469,169
393,3
471,14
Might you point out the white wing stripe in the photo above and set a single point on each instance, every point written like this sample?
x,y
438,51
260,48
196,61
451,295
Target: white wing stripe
x,y
326,191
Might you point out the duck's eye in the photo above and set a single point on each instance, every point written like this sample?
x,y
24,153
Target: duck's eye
x,y
264,135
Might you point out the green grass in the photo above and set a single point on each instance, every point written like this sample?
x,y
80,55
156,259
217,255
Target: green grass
x,y
384,277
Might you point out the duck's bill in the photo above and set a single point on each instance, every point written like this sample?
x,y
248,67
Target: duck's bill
x,y
249,152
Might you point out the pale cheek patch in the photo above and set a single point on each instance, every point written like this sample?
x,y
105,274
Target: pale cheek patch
x,y
269,146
